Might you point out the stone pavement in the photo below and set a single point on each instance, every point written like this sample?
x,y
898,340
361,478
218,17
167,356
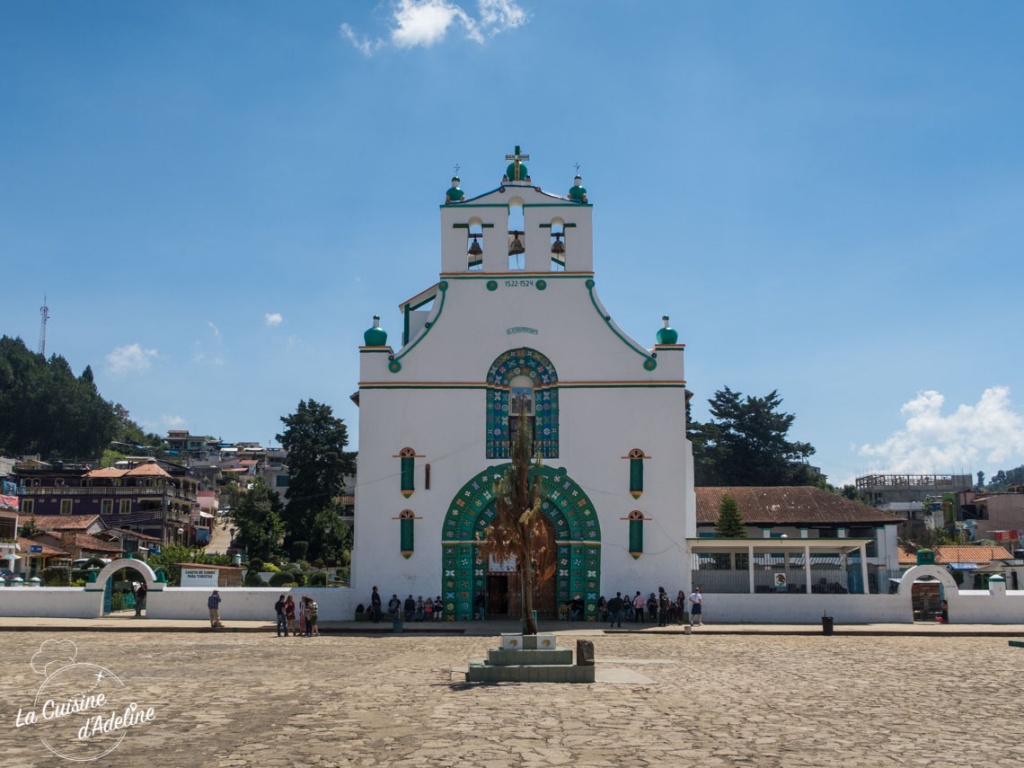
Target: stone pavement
x,y
242,698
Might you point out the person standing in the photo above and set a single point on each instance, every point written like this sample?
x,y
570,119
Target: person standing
x,y
289,614
213,603
312,616
140,599
282,618
481,605
375,604
638,608
696,608
302,615
615,610
663,604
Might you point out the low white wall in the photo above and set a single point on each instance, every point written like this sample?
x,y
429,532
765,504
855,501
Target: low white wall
x,y
55,602
245,603
338,604
789,608
981,607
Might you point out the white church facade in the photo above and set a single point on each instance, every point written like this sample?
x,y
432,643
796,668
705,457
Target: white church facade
x,y
512,332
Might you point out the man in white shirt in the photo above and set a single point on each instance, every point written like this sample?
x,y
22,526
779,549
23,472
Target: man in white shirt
x,y
696,606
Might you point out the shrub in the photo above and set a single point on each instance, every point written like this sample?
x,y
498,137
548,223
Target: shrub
x,y
252,579
300,578
318,564
299,550
318,579
283,579
255,564
270,568
56,577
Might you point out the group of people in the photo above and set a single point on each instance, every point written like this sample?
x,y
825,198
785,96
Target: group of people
x,y
418,609
307,613
658,607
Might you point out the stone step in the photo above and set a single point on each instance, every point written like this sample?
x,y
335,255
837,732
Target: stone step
x,y
482,672
499,657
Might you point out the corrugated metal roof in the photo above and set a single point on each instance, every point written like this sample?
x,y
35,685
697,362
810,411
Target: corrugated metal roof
x,y
789,505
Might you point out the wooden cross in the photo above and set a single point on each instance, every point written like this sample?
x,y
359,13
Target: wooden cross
x,y
517,157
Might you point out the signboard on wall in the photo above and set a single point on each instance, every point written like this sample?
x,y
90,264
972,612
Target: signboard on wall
x,y
198,577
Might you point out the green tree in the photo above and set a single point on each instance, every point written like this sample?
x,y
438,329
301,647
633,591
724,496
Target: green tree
x,y
730,523
256,512
173,555
746,444
518,530
317,462
45,409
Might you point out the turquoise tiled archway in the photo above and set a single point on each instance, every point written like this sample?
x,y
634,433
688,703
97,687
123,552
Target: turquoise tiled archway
x,y
577,535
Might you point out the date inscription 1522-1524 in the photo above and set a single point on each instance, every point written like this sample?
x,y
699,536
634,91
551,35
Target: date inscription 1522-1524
x,y
519,283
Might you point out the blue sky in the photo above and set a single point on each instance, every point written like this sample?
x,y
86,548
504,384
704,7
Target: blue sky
x,y
826,198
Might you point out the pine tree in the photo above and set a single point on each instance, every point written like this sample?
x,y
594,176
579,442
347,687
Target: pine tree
x,y
730,522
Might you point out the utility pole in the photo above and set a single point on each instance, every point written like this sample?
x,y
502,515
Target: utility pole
x,y
44,312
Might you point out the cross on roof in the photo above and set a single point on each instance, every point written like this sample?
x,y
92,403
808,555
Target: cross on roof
x,y
517,157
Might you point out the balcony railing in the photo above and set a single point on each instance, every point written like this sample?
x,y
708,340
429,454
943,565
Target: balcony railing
x,y
106,491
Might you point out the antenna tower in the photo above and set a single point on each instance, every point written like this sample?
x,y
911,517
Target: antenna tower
x,y
44,313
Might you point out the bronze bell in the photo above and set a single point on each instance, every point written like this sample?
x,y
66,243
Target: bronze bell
x,y
516,246
475,249
558,247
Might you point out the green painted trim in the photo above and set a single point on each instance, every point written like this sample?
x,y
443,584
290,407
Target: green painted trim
x,y
372,350
405,331
566,204
492,285
561,385
541,284
649,362
523,276
395,365
477,205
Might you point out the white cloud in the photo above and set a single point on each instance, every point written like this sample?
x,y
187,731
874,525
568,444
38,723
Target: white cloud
x,y
988,435
214,329
172,422
272,319
363,44
131,358
426,22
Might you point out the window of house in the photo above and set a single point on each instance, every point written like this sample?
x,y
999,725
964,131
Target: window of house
x,y
107,507
126,506
65,506
28,506
281,481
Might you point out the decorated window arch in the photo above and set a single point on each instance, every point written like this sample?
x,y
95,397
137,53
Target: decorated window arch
x,y
532,377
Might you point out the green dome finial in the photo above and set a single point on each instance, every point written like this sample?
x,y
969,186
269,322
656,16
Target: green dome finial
x,y
668,334
516,170
376,336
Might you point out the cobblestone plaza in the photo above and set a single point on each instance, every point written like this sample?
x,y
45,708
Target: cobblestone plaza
x,y
251,699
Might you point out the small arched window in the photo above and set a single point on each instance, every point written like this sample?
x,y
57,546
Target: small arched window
x,y
557,246
475,247
516,236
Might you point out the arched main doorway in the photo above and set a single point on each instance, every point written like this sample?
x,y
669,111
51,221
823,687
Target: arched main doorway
x,y
576,532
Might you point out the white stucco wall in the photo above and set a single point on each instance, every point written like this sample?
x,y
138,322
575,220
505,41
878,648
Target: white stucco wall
x,y
608,404
61,602
245,604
